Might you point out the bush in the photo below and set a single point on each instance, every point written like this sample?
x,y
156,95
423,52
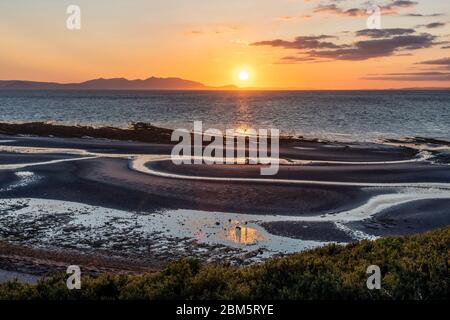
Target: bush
x,y
415,267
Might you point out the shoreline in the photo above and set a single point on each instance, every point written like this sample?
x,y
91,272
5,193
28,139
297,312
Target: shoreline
x,y
155,217
138,132
149,133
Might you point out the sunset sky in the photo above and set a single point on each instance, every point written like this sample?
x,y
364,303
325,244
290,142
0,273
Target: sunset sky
x,y
304,44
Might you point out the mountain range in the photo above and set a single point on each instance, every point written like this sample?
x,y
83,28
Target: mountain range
x,y
152,83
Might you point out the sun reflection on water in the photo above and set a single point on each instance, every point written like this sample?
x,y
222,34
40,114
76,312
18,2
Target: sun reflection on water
x,y
243,235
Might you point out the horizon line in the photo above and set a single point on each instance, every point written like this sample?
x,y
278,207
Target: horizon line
x,y
227,87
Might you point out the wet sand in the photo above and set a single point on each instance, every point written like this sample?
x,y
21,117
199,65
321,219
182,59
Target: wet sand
x,y
409,218
324,192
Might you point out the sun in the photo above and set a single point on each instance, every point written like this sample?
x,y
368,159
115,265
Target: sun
x,y
244,75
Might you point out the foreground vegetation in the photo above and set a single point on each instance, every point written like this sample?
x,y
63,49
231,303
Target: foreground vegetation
x,y
415,267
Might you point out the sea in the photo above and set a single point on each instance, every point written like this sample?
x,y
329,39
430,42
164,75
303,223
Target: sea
x,y
330,115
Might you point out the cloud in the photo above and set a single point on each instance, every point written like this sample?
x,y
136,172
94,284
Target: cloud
x,y
430,75
416,76
213,30
432,25
304,42
438,62
390,8
401,4
335,10
294,59
363,50
294,18
384,33
419,15
382,43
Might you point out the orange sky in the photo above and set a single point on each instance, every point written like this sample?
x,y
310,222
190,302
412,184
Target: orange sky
x,y
211,42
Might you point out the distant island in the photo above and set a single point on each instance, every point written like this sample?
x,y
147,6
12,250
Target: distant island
x,y
152,83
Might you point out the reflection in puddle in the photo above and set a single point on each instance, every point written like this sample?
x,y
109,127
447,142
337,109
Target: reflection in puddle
x,y
243,235
212,236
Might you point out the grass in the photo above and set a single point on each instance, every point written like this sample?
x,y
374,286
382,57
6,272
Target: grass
x,y
415,267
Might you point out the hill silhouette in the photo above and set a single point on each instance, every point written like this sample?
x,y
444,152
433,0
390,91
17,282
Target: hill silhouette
x,y
152,83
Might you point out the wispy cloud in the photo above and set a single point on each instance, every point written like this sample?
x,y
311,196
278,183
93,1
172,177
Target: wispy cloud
x,y
437,62
384,33
294,18
213,30
420,15
302,42
422,75
390,8
413,76
294,60
432,25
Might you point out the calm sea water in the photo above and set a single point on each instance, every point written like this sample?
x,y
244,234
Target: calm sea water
x,y
338,115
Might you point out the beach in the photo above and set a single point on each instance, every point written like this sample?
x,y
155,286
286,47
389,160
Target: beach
x,y
123,206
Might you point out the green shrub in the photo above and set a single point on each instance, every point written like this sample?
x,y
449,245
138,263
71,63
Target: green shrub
x,y
415,267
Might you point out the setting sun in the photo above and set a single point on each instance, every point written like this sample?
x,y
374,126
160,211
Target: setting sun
x,y
244,75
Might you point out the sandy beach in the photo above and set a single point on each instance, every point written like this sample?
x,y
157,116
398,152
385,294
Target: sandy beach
x,y
126,204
